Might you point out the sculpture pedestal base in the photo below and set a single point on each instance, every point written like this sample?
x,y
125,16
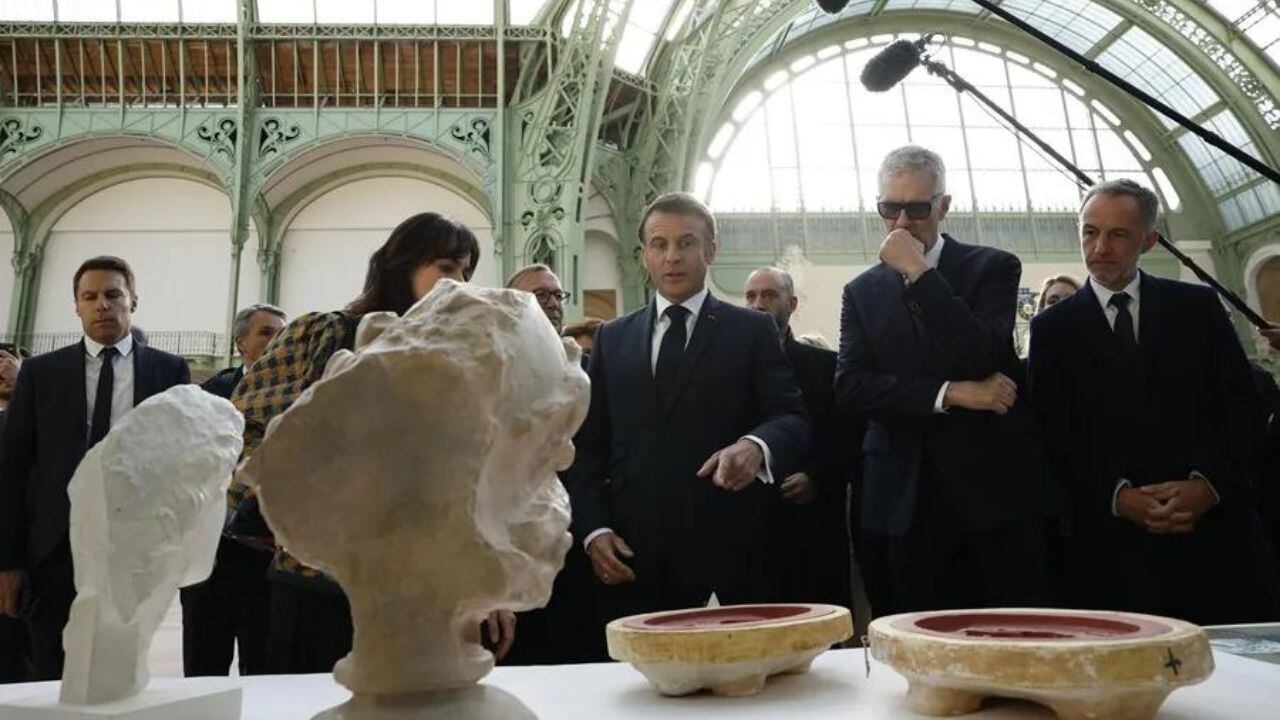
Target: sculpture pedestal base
x,y
479,702
195,699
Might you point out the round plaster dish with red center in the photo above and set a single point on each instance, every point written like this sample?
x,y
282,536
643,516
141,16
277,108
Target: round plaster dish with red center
x,y
729,650
1081,664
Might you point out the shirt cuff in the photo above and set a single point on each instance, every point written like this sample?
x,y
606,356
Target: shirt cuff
x,y
766,468
1115,496
595,534
1198,476
938,407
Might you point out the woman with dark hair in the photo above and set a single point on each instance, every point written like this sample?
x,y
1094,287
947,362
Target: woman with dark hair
x,y
310,618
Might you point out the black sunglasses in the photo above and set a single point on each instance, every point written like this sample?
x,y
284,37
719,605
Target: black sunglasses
x,y
916,210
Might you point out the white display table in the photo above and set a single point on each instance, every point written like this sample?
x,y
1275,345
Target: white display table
x,y
837,687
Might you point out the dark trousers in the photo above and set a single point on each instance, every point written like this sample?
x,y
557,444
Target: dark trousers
x,y
310,628
53,586
938,565
15,651
813,563
232,606
560,633
1223,572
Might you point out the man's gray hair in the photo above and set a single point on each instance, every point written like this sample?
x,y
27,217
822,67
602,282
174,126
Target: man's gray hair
x,y
527,270
914,159
240,327
1148,203
784,278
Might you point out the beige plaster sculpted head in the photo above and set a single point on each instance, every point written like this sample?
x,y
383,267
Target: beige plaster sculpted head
x,y
420,472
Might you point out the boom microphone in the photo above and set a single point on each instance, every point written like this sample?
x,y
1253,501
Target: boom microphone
x,y
892,64
831,7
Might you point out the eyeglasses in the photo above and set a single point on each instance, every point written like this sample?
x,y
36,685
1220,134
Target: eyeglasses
x,y
544,296
916,210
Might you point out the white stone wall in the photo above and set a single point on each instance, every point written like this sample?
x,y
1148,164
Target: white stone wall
x,y
176,236
327,245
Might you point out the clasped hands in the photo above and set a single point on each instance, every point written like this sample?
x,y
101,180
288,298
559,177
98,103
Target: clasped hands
x,y
1166,508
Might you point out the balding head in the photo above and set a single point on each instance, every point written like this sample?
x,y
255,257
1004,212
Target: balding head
x,y
771,290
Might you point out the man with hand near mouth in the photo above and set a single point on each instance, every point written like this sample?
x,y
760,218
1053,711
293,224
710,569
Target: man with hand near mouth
x,y
63,404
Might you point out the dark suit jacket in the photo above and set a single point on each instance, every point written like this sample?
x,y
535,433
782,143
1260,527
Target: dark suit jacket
x,y
1190,404
638,459
44,440
815,559
224,383
898,344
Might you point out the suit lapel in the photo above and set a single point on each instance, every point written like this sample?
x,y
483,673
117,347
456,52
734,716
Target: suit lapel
x,y
141,373
703,330
949,261
79,401
900,328
1151,318
637,353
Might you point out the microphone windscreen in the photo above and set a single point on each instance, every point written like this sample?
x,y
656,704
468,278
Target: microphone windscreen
x,y
890,65
831,7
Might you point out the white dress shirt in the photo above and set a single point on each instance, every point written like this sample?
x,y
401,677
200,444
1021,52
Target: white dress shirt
x,y
1109,310
122,391
660,326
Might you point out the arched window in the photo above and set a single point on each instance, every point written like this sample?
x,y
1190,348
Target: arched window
x,y
804,146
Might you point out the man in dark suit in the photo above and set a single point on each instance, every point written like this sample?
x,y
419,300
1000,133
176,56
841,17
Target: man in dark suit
x,y
556,634
953,482
233,605
813,534
695,422
64,403
1152,420
15,660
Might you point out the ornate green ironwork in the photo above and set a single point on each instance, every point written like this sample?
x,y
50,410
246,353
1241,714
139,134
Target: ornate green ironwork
x,y
555,146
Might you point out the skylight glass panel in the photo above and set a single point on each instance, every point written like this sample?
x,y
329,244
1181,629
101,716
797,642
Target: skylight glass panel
x,y
345,12
1222,173
287,12
453,12
523,12
409,12
640,33
208,11
26,10
964,6
86,11
142,11
1145,62
1078,24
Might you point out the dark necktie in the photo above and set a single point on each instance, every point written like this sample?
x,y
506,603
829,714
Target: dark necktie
x,y
102,399
671,350
1124,324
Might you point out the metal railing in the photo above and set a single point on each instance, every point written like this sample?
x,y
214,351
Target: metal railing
x,y
187,343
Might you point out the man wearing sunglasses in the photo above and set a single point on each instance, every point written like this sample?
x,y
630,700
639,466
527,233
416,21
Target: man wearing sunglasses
x,y
954,486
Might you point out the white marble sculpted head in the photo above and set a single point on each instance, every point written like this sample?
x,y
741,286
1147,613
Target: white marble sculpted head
x,y
147,507
420,472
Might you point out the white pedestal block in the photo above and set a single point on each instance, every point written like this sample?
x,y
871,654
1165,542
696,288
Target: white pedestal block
x,y
193,699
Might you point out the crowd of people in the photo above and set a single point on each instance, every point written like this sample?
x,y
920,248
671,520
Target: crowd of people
x,y
1124,464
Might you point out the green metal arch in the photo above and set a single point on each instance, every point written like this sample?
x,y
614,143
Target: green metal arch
x,y
295,156
197,155
943,21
